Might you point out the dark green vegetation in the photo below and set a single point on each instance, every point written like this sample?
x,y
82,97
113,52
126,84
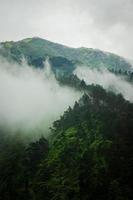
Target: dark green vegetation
x,y
63,58
89,155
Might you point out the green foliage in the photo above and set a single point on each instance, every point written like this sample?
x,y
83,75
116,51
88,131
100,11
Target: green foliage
x,y
18,166
89,155
35,50
91,152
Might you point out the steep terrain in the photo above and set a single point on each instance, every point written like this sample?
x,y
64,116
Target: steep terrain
x,y
35,50
87,157
88,152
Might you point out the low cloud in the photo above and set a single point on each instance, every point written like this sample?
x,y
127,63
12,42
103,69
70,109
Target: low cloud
x,y
106,79
31,98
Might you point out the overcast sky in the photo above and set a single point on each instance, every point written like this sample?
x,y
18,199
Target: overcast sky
x,y
102,24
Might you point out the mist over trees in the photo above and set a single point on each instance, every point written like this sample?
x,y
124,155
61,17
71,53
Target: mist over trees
x,y
66,131
88,155
32,98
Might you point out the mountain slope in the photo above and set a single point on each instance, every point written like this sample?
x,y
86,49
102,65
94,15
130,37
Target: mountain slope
x,y
89,155
35,50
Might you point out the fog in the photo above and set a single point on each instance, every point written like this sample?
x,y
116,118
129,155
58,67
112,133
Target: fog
x,y
106,79
31,98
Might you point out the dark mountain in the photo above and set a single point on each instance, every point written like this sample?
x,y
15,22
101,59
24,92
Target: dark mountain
x,y
89,155
35,50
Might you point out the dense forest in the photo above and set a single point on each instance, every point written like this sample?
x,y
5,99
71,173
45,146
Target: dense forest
x,y
66,100
87,156
64,58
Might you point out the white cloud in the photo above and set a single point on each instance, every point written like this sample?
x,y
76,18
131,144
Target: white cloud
x,y
108,80
30,98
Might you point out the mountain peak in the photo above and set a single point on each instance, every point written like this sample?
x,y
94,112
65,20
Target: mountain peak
x,y
37,48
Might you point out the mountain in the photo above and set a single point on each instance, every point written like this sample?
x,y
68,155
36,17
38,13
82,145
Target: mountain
x,y
88,152
62,58
89,155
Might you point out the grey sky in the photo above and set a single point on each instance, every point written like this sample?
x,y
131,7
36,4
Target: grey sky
x,y
103,24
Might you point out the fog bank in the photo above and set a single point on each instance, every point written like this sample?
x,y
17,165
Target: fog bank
x,y
106,79
31,98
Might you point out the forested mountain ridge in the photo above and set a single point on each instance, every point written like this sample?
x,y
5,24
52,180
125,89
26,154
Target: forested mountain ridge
x,y
88,151
89,155
35,50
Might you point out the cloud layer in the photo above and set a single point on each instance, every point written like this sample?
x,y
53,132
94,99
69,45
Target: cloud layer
x,y
30,98
106,79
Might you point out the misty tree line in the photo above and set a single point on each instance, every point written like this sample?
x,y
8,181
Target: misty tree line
x,y
88,155
127,74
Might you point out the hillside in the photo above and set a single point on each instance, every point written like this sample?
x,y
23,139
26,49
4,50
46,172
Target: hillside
x,y
35,50
87,153
87,157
